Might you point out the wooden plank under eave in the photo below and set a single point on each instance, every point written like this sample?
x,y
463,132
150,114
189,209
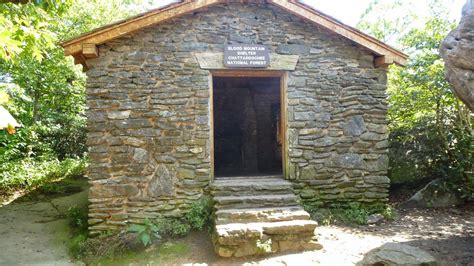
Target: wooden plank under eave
x,y
383,61
89,50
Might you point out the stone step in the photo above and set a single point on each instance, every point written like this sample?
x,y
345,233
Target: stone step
x,y
275,214
227,232
254,186
244,239
259,215
255,201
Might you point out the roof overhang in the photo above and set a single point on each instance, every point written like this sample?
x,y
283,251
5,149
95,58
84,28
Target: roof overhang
x,y
84,46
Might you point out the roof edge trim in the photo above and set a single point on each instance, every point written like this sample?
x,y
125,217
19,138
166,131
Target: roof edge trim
x,y
112,31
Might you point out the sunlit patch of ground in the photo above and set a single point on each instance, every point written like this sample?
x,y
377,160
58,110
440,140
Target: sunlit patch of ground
x,y
33,228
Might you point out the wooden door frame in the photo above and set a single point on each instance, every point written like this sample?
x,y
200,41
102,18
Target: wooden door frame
x,y
233,73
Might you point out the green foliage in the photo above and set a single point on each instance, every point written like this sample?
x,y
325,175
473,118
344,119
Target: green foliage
x,y
196,218
42,88
77,246
25,29
348,214
30,174
430,129
77,219
199,213
374,19
86,15
78,226
146,232
173,227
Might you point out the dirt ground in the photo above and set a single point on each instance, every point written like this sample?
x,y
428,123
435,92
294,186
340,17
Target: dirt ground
x,y
35,233
447,234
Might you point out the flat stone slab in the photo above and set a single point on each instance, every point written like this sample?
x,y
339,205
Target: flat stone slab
x,y
246,183
251,230
276,214
256,201
290,227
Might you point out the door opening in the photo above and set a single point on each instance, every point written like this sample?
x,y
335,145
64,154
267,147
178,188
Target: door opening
x,y
247,126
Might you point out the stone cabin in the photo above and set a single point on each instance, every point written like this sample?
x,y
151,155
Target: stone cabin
x,y
172,118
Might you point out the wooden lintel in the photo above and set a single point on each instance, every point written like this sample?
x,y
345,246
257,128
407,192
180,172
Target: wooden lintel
x,y
89,50
237,73
383,61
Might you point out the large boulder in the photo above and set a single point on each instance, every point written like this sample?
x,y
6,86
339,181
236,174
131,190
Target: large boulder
x,y
397,254
434,194
457,51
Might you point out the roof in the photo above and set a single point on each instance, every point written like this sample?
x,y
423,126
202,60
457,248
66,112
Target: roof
x,y
85,45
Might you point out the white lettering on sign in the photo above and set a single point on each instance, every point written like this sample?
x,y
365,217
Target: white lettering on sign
x,y
246,55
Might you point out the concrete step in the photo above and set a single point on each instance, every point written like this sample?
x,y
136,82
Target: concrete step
x,y
275,214
255,201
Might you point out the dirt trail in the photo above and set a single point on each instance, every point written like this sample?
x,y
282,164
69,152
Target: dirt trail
x,y
35,232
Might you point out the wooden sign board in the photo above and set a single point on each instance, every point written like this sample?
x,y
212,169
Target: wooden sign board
x,y
246,56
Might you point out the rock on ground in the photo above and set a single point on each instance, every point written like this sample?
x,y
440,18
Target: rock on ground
x,y
375,218
434,194
398,254
457,51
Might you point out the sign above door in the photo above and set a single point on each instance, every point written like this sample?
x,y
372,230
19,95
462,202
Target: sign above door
x,y
246,56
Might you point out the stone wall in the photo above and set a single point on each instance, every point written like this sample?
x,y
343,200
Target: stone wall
x,y
149,114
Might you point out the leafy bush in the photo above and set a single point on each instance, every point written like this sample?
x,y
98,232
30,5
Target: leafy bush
x,y
25,143
29,174
146,232
430,129
348,214
174,227
77,219
200,213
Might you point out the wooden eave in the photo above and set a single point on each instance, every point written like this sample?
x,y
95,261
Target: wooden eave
x,y
84,46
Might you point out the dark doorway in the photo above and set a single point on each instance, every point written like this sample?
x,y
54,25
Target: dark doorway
x,y
247,117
